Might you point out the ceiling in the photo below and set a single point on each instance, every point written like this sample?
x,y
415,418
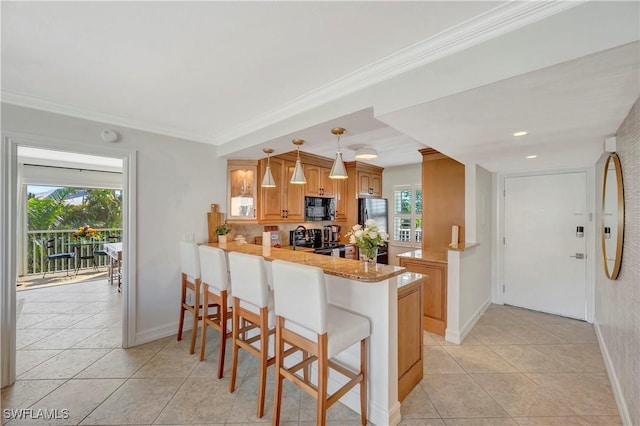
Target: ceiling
x,y
214,72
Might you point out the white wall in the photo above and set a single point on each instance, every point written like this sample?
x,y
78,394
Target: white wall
x,y
410,174
177,180
469,280
617,305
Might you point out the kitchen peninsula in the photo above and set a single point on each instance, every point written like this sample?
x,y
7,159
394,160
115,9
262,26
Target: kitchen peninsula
x,y
374,291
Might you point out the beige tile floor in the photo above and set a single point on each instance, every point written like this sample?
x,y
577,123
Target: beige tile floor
x,y
517,367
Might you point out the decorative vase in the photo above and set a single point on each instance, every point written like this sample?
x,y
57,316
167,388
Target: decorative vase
x,y
222,239
369,254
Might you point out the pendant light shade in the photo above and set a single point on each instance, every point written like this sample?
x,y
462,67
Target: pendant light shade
x,y
298,174
267,180
338,171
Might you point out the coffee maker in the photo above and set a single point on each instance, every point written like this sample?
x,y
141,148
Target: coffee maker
x,y
331,234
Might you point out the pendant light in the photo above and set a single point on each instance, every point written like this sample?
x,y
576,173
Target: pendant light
x,y
338,171
267,180
298,175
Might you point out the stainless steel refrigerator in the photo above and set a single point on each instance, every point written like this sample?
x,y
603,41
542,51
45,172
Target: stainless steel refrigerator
x,y
376,209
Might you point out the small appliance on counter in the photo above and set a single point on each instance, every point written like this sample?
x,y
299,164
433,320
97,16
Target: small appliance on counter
x,y
303,237
331,235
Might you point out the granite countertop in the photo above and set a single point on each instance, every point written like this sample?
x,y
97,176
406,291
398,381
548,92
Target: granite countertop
x,y
408,278
340,267
430,255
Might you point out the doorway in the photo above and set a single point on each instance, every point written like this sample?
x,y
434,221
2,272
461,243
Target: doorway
x,y
545,242
9,241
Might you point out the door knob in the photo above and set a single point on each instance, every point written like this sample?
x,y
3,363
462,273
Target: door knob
x,y
579,256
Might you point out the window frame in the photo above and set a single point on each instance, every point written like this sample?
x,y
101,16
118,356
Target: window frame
x,y
412,216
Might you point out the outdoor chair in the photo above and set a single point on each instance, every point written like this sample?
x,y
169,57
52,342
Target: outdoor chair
x,y
50,247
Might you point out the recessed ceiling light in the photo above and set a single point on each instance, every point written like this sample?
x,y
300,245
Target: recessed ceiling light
x,y
532,156
521,133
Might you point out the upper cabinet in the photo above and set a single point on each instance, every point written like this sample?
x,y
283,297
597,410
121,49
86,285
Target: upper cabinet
x,y
318,182
370,183
248,201
285,202
242,190
340,194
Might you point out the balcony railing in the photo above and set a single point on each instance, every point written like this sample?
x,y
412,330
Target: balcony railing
x,y
36,251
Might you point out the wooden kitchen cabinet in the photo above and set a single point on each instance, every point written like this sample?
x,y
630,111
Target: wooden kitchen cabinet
x,y
242,193
271,206
293,196
410,347
285,202
340,194
370,183
434,292
318,182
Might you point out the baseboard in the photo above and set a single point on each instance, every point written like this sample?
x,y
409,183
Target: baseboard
x,y
458,336
160,332
613,378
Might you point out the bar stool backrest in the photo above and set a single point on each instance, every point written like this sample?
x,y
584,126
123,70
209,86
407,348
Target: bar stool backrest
x,y
190,259
213,268
300,294
249,278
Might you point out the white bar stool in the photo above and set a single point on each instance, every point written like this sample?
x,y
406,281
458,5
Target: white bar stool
x,y
216,292
190,268
307,322
253,305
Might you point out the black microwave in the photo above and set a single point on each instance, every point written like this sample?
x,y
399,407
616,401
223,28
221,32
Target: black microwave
x,y
319,208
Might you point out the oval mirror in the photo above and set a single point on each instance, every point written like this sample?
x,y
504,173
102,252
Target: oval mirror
x,y
612,217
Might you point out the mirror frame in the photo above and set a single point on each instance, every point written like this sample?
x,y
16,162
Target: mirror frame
x,y
613,274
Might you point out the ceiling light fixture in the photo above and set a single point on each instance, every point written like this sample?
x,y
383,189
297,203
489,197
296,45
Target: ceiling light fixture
x,y
366,153
532,156
298,174
267,180
520,133
338,171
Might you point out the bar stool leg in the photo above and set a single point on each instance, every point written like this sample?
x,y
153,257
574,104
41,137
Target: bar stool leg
x,y
363,383
183,300
277,395
322,380
264,356
196,311
205,313
234,347
223,315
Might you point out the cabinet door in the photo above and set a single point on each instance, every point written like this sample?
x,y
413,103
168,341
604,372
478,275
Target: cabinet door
x,y
326,184
434,293
314,179
376,185
271,199
364,183
340,195
293,196
241,190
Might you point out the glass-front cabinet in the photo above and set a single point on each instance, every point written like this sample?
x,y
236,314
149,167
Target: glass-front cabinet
x,y
242,190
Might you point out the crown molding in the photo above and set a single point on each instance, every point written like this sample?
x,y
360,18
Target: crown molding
x,y
19,99
488,25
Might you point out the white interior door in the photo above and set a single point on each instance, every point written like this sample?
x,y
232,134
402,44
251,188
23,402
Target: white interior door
x,y
543,268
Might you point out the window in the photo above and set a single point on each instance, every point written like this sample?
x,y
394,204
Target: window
x,y
407,214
